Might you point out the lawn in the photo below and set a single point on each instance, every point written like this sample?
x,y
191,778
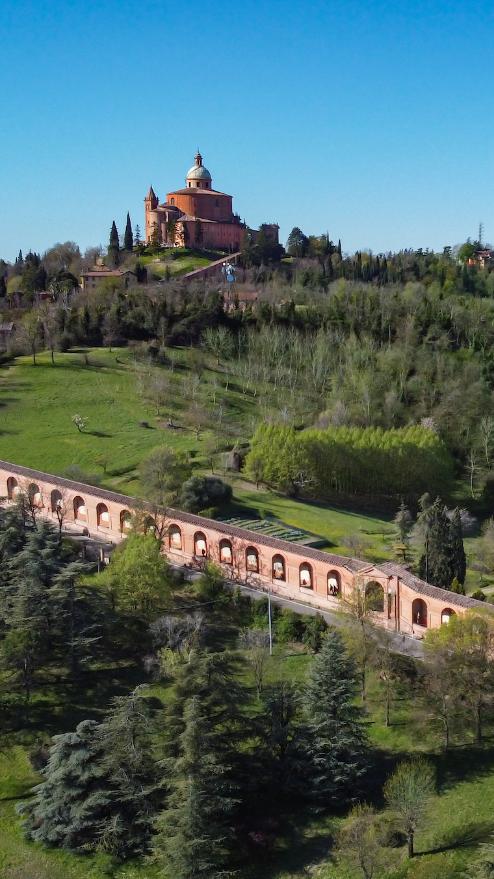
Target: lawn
x,y
177,261
36,430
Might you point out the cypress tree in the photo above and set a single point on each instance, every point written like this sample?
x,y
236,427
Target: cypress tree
x,y
336,737
114,245
435,564
458,558
128,236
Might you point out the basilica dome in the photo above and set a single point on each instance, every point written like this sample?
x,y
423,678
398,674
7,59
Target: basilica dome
x,y
198,171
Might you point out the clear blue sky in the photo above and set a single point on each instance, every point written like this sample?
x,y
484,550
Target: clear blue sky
x,y
372,120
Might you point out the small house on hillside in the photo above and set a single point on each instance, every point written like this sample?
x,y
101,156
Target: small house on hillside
x,y
97,276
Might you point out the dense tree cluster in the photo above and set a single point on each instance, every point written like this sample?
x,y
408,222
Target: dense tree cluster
x,y
349,461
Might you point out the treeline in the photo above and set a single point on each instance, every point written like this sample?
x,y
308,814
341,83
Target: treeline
x,y
405,462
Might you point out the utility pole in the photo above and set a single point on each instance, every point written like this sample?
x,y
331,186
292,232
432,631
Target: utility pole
x,y
270,622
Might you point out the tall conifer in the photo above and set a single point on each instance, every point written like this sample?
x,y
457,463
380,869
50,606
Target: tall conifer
x,y
336,738
128,236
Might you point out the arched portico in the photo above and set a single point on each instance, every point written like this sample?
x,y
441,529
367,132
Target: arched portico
x,y
102,516
12,488
305,576
56,501
252,560
200,544
174,537
374,596
279,568
333,584
446,615
226,552
80,509
125,521
34,495
419,612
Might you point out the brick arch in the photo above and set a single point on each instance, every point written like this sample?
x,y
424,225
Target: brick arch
x,y
200,544
175,540
306,576
56,500
12,488
80,508
374,596
446,615
252,560
278,568
125,521
226,551
34,494
419,613
103,516
333,582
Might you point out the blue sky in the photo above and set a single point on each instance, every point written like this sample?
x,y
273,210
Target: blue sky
x,y
371,120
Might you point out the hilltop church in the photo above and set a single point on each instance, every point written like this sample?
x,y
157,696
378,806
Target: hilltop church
x,y
197,216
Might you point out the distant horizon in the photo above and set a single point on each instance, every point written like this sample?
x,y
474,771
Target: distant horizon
x,y
368,121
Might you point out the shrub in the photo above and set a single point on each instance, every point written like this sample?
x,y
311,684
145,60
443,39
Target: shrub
x,y
479,595
201,492
315,628
289,626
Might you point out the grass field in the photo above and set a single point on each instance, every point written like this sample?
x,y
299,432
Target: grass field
x,y
176,261
37,404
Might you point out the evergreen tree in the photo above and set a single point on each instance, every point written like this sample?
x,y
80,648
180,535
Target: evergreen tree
x,y
458,558
114,245
297,243
195,833
443,559
70,804
137,236
128,236
336,738
128,758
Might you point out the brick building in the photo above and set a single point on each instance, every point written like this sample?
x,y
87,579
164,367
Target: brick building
x,y
196,216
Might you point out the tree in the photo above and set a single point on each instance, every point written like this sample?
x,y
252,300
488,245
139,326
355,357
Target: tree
x,y
443,558
358,841
138,576
70,804
297,243
137,236
51,328
255,642
219,341
336,739
403,522
114,246
408,792
128,236
281,745
200,492
163,474
29,333
204,734
465,648
80,422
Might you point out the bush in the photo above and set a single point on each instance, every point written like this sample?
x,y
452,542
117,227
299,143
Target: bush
x,y
479,595
289,626
210,584
315,627
200,492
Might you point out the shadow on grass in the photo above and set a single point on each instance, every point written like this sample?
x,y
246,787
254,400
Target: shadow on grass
x,y
100,433
467,836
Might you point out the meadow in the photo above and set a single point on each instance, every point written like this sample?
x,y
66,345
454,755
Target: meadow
x,y
108,389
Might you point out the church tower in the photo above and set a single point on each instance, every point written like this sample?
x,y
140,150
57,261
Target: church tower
x,y
151,217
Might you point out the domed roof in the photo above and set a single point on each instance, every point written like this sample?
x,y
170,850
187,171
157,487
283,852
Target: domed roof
x,y
198,171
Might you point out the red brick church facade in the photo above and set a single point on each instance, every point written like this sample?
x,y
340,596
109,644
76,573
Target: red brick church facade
x,y
196,216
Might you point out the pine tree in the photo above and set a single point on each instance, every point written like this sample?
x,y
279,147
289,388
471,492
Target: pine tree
x,y
336,738
69,805
114,245
137,236
128,236
195,833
